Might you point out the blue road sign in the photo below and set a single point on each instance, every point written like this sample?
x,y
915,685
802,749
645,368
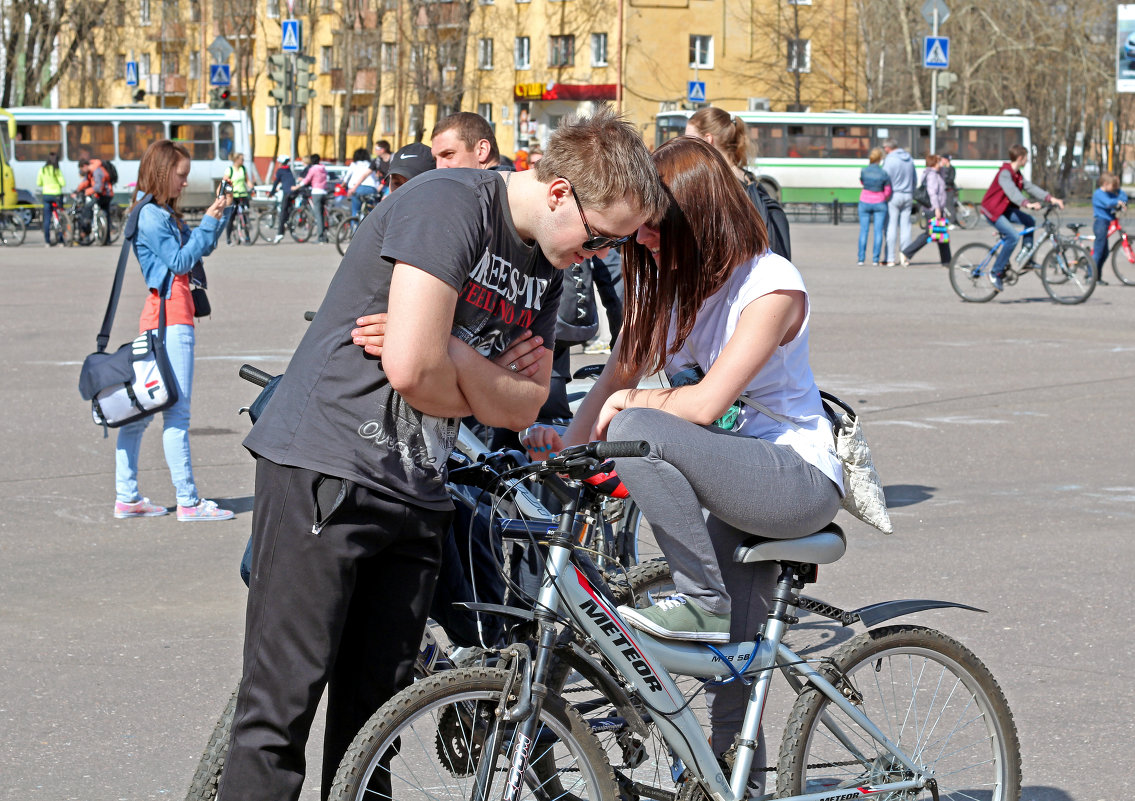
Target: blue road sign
x,y
219,75
695,91
131,73
292,37
936,52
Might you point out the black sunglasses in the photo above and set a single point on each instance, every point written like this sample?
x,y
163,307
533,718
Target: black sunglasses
x,y
595,241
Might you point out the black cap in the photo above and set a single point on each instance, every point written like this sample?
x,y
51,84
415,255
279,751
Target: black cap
x,y
412,160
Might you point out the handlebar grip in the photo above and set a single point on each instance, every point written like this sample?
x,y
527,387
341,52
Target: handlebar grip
x,y
615,450
309,316
255,375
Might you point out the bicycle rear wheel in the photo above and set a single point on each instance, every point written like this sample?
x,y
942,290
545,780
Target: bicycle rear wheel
x,y
246,231
114,223
1123,261
301,224
969,273
930,696
429,742
12,229
965,216
1068,274
60,231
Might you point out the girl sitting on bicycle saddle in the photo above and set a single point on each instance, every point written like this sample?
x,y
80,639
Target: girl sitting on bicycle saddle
x,y
723,316
1002,207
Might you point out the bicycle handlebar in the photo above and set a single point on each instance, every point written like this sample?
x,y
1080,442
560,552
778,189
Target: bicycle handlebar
x,y
255,375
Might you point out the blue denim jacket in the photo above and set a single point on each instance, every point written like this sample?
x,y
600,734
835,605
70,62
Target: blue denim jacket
x,y
164,244
873,178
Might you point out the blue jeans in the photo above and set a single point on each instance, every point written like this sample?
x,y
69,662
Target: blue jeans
x,y
175,429
869,212
898,223
357,198
1099,253
1004,226
48,202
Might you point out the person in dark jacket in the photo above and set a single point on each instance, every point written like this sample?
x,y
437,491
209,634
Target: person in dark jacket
x,y
1002,204
285,182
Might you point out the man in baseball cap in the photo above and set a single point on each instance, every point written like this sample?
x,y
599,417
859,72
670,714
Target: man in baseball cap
x,y
410,162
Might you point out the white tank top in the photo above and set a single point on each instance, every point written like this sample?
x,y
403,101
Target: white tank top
x,y
785,384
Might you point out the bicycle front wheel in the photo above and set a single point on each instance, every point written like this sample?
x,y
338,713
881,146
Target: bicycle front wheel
x,y
1123,261
115,223
1068,273
60,231
930,696
12,229
429,741
965,216
343,234
969,273
266,224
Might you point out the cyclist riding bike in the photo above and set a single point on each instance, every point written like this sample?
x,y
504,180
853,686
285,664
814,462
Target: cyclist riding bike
x,y
1002,208
237,175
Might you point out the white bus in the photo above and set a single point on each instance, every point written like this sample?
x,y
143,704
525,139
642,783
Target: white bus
x,y
816,157
122,135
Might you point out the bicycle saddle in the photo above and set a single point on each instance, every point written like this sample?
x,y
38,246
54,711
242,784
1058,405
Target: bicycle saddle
x,y
1074,226
822,548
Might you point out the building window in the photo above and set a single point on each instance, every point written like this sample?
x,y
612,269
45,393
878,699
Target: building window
x,y
387,119
599,50
701,51
799,55
485,54
327,6
194,11
357,120
523,53
144,12
120,65
194,64
561,51
98,67
271,115
326,58
272,7
171,64
389,51
486,111
326,120
799,2
143,64
169,10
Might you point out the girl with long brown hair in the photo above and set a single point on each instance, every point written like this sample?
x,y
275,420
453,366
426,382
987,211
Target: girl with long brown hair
x,y
168,251
723,317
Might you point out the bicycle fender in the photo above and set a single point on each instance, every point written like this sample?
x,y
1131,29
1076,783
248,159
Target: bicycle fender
x,y
593,672
499,609
874,614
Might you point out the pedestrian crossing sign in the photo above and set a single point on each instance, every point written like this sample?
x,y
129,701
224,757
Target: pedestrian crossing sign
x,y
936,52
219,75
131,73
695,91
290,42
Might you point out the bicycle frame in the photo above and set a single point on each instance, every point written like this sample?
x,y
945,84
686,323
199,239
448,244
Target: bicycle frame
x,y
646,663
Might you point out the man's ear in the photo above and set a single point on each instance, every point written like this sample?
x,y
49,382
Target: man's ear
x,y
558,193
483,150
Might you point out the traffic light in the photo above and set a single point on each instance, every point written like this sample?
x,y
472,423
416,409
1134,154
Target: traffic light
x,y
220,97
303,79
278,74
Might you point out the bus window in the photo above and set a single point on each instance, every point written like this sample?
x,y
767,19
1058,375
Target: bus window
x,y
196,137
851,141
767,141
808,141
135,137
923,149
91,140
35,140
985,144
226,140
666,128
901,134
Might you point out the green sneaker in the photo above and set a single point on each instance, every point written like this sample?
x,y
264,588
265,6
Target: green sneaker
x,y
678,618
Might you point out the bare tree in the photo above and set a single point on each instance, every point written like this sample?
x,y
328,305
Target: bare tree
x,y
357,46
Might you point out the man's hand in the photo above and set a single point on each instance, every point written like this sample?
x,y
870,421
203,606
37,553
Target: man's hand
x,y
1032,204
370,334
1058,202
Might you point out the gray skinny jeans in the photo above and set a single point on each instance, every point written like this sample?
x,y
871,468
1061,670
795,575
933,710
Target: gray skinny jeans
x,y
747,486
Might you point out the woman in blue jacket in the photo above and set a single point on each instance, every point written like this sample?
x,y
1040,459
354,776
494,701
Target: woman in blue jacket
x,y
168,251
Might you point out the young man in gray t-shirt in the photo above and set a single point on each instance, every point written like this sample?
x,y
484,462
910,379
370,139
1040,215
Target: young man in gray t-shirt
x,y
350,505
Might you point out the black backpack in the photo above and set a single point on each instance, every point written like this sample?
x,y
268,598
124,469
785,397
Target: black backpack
x,y
776,221
111,172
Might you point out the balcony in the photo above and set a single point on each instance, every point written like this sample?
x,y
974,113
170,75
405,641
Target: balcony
x,y
366,81
166,84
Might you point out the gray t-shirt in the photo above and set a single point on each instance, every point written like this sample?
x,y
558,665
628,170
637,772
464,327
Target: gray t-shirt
x,y
334,411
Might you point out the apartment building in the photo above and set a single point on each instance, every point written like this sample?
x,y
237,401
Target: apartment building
x,y
390,68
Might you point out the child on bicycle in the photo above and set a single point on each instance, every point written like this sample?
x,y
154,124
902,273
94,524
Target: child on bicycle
x,y
1002,207
1106,201
724,317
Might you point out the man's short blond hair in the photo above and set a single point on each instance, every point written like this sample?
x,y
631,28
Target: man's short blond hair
x,y
604,158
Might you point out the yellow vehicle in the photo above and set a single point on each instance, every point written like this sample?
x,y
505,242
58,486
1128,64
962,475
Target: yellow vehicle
x,y
12,225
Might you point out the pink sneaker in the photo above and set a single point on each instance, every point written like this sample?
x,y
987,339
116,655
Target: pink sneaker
x,y
142,508
205,510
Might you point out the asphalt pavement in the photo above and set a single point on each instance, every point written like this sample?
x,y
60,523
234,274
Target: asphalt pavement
x,y
1003,434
